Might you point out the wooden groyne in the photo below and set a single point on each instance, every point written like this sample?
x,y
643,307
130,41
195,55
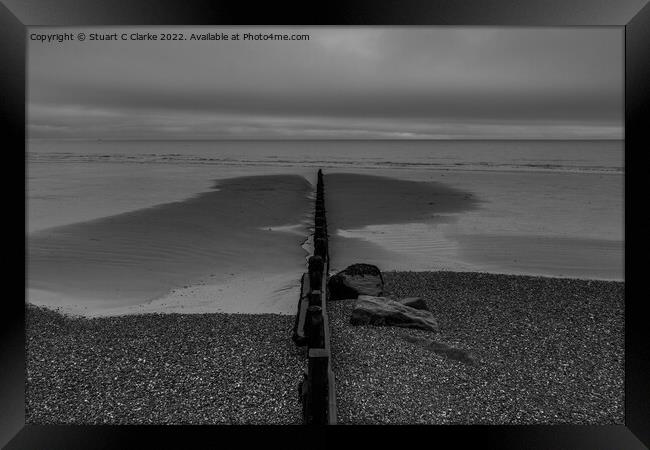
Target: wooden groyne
x,y
311,329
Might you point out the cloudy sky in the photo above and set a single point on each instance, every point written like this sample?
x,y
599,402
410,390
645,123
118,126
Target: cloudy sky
x,y
343,83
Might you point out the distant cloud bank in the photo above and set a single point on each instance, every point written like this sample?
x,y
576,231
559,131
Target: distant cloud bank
x,y
341,83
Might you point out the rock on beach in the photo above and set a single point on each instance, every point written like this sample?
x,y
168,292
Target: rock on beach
x,y
414,302
384,311
355,280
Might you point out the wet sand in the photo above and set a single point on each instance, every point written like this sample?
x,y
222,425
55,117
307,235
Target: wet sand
x,y
211,252
557,256
211,242
478,222
359,202
355,200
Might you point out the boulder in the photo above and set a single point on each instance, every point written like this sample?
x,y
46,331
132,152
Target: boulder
x,y
384,311
414,302
355,280
446,350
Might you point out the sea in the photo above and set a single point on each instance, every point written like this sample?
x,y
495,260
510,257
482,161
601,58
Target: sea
x,y
73,180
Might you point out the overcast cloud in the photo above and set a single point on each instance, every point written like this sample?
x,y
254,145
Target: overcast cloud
x,y
343,83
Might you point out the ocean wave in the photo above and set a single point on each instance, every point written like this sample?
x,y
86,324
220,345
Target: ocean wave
x,y
347,162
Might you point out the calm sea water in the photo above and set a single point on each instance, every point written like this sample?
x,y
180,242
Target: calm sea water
x,y
572,156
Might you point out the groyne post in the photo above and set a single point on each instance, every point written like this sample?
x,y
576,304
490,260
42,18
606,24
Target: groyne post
x,y
311,329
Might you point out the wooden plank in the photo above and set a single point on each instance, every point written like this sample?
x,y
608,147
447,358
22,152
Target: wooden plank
x,y
304,290
318,353
299,334
331,386
331,397
324,307
319,390
314,327
317,398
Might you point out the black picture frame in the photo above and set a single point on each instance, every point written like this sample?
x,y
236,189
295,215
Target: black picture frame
x,y
16,15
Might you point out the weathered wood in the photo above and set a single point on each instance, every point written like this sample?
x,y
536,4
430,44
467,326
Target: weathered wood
x,y
315,330
320,248
317,390
299,336
318,352
320,221
316,266
331,387
315,279
295,322
318,398
319,232
316,298
315,263
331,396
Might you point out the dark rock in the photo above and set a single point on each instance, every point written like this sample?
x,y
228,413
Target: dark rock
x,y
355,280
414,302
338,290
383,311
446,350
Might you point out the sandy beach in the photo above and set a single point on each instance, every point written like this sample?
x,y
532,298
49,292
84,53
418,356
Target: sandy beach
x,y
135,227
548,351
355,200
236,248
464,221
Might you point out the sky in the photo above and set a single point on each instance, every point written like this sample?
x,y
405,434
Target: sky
x,y
342,83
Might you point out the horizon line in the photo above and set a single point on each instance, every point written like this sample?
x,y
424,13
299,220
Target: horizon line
x,y
316,139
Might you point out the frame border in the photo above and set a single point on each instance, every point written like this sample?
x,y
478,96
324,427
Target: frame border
x,y
632,15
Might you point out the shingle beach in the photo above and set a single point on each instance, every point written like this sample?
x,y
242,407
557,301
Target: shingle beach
x,y
162,369
548,350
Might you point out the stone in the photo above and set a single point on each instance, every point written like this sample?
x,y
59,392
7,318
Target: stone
x,y
371,310
414,302
355,280
446,350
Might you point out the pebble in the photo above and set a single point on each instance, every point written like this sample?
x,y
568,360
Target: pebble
x,y
549,351
162,369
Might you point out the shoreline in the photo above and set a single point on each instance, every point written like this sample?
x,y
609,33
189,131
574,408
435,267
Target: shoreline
x,y
274,293
507,274
140,258
170,303
200,368
196,255
487,225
